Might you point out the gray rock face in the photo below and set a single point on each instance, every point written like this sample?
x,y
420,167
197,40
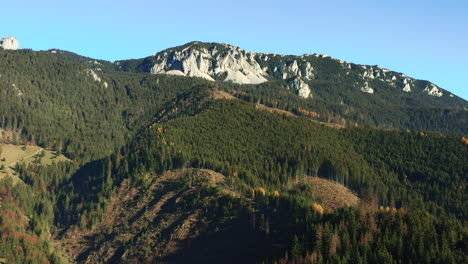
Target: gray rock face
x,y
303,89
367,89
236,64
9,43
223,62
434,90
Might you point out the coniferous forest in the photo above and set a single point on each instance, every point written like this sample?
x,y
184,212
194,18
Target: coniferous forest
x,y
174,169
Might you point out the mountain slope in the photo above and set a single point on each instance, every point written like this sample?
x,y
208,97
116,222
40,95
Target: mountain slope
x,y
143,204
173,169
339,91
164,213
225,62
61,101
266,159
268,150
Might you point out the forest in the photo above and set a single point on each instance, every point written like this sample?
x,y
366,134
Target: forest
x,y
125,132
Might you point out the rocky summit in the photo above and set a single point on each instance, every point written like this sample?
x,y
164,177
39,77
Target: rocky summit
x,y
236,64
224,62
9,43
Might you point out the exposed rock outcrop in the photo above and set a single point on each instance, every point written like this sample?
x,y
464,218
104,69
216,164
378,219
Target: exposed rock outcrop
x,y
223,62
302,88
96,77
367,89
371,73
232,64
407,85
433,90
9,43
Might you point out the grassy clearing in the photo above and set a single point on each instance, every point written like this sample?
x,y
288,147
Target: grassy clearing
x,y
13,154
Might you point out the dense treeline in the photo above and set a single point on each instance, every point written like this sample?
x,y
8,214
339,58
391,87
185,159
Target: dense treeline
x,y
419,194
357,235
340,103
109,127
429,169
56,102
27,213
269,150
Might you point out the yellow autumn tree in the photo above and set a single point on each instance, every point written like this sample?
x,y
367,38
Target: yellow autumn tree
x,y
318,208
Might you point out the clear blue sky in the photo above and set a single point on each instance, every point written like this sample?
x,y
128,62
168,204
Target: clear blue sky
x,y
423,39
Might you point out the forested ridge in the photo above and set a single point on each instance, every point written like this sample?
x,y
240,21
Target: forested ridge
x,y
335,88
54,100
126,132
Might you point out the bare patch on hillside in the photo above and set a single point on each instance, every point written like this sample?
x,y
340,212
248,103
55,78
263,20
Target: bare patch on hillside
x,y
217,94
146,224
287,113
273,110
332,194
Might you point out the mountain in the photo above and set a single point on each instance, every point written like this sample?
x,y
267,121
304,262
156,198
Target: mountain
x,y
263,167
339,91
61,100
208,153
224,62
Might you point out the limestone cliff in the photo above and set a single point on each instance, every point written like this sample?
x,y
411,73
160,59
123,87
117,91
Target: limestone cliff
x,y
9,43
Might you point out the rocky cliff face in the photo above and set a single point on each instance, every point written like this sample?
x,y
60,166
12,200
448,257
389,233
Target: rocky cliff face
x,y
302,88
223,62
9,43
232,64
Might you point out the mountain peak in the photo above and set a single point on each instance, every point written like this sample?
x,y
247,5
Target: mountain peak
x,y
210,61
225,62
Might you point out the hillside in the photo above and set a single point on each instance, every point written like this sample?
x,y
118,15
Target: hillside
x,y
208,153
54,94
269,149
149,223
10,155
263,157
332,194
61,101
339,91
162,219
